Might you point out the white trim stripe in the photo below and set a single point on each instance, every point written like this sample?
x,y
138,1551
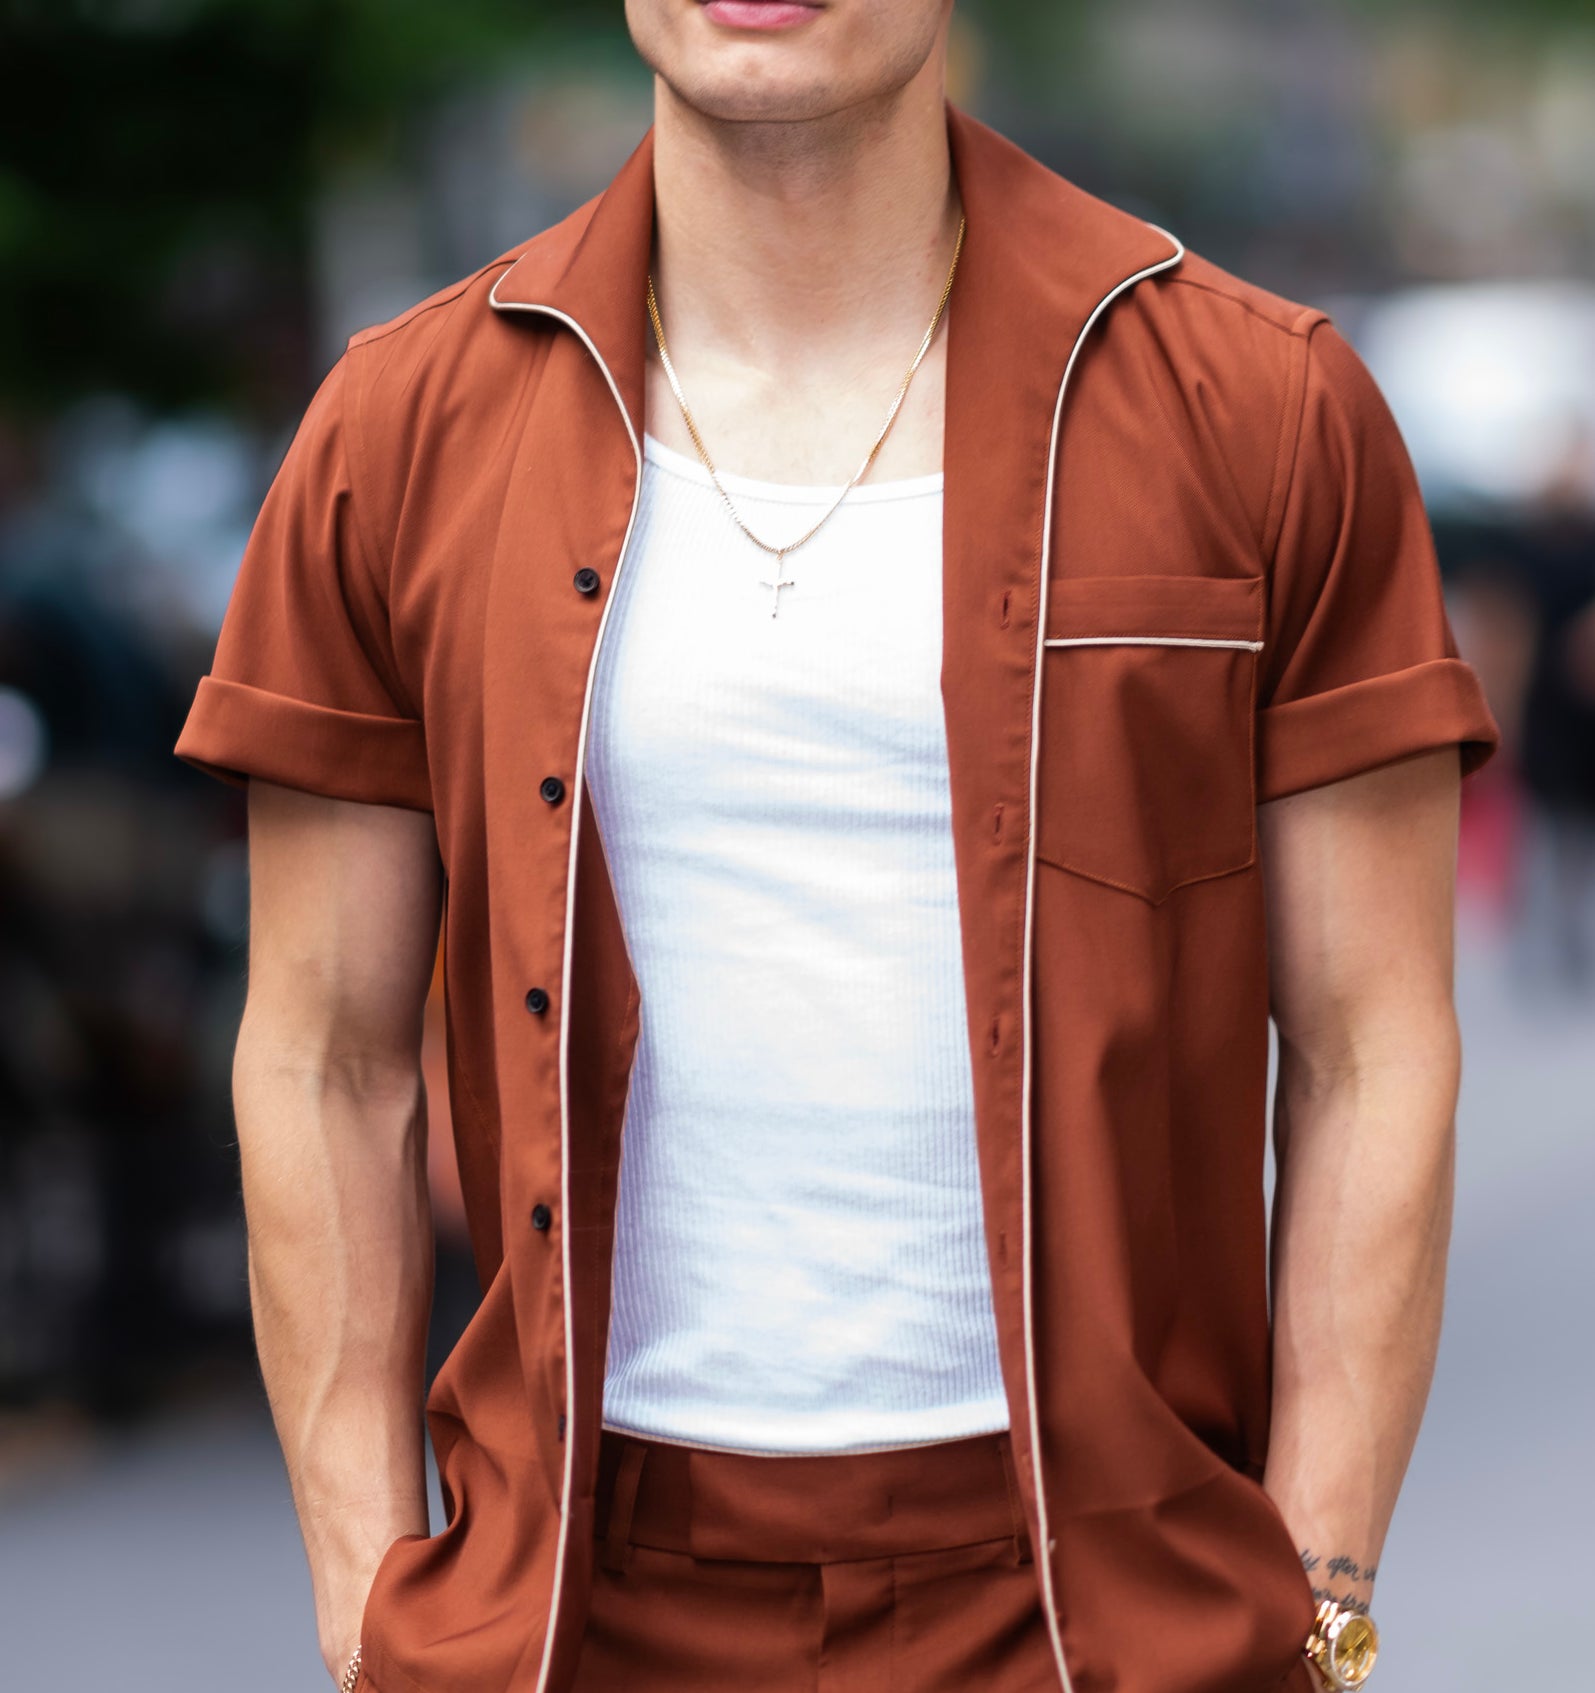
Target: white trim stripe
x,y
1043,1558
565,976
1045,1549
1148,641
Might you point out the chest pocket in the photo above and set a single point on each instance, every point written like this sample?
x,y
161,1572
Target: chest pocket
x,y
1148,690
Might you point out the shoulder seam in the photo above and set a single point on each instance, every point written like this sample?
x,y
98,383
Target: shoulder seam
x,y
379,576
380,331
1301,324
1287,452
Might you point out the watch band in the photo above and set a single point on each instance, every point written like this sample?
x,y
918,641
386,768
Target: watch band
x,y
1342,1646
351,1673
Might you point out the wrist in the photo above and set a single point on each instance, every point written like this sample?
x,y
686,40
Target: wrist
x,y
1349,1595
1341,1578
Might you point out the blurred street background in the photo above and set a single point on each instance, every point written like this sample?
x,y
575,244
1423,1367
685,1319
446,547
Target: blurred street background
x,y
201,199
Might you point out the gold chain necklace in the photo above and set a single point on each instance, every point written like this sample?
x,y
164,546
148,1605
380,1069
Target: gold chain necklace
x,y
780,553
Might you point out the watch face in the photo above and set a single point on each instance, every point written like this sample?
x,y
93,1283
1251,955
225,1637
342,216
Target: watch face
x,y
1353,1649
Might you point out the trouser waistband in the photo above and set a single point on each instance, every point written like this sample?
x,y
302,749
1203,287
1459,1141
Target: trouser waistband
x,y
824,1508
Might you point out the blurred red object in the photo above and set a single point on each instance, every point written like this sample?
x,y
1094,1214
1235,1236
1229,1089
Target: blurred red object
x,y
1491,841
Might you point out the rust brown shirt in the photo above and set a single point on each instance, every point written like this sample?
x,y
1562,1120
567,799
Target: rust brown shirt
x,y
1186,569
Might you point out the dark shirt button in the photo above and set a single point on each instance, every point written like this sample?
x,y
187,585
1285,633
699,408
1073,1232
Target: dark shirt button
x,y
552,789
586,580
536,1001
541,1216
561,1425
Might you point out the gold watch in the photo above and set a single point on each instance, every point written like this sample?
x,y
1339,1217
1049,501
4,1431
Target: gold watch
x,y
1342,1646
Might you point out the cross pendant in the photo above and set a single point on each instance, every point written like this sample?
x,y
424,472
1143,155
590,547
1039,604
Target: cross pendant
x,y
778,584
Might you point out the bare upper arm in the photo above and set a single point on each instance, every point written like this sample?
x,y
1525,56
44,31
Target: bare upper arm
x,y
1359,878
343,914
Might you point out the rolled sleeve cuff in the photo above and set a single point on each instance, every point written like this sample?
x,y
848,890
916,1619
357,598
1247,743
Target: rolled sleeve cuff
x,y
1325,737
234,731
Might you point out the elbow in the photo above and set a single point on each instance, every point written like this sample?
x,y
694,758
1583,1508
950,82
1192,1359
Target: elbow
x,y
336,1049
1397,1058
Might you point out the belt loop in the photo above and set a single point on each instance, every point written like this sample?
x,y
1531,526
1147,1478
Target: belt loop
x,y
617,1535
1021,1529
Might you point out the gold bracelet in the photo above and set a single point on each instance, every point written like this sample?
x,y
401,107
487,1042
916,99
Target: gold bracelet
x,y
351,1675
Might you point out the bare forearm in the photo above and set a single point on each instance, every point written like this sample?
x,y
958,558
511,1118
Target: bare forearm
x,y
340,1272
1362,1227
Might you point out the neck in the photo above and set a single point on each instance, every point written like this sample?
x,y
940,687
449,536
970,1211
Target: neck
x,y
795,242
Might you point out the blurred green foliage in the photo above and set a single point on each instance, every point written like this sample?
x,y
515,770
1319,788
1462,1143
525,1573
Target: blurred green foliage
x,y
158,160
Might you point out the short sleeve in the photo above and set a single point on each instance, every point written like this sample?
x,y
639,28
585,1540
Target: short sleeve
x,y
1359,664
304,688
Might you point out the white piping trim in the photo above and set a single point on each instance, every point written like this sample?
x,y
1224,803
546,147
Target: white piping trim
x,y
1148,641
564,988
1044,1550
1043,1558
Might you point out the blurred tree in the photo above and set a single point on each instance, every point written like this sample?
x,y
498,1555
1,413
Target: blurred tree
x,y
158,160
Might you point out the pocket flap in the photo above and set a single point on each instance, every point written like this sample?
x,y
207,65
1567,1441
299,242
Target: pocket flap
x,y
1152,608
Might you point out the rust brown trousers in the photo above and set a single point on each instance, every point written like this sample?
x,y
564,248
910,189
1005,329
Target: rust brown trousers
x,y
870,1572
1185,571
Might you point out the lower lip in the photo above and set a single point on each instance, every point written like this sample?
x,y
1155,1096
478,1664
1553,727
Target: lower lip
x,y
759,14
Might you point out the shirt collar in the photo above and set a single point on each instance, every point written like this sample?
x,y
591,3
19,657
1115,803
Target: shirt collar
x,y
1039,254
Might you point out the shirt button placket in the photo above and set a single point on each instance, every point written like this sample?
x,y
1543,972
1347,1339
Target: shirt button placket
x,y
586,581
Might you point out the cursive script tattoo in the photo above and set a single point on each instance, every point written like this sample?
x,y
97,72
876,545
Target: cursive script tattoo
x,y
1341,1568
1349,1600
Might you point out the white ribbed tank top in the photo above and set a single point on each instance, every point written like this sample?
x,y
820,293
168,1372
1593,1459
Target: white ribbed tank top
x,y
800,1261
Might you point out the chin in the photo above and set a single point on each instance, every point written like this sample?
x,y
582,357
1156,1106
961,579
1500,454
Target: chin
x,y
789,97
748,79
845,57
